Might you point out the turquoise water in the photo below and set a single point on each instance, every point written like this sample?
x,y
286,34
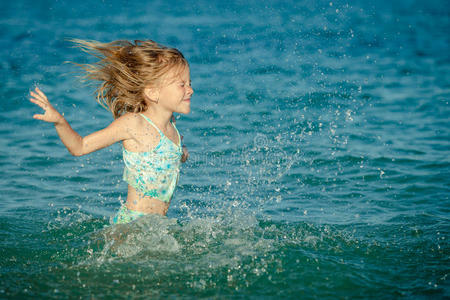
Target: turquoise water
x,y
319,141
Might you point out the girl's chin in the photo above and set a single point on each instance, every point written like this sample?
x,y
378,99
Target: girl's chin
x,y
184,107
184,110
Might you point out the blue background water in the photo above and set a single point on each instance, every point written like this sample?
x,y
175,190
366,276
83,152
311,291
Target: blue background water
x,y
319,140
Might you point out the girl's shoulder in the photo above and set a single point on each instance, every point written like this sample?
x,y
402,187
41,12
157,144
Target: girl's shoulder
x,y
128,122
136,123
142,135
129,119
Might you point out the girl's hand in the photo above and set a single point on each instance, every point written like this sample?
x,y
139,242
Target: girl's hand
x,y
50,115
185,154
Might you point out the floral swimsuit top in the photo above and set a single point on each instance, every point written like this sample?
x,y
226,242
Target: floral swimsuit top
x,y
154,173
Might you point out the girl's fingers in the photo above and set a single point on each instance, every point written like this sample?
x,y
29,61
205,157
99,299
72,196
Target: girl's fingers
x,y
37,97
41,93
40,99
38,102
38,117
34,94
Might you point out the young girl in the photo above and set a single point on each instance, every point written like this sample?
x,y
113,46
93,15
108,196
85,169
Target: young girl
x,y
142,84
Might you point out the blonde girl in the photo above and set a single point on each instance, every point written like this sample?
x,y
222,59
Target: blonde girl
x,y
142,84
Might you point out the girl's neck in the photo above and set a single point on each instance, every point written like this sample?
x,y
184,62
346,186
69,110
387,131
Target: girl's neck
x,y
159,117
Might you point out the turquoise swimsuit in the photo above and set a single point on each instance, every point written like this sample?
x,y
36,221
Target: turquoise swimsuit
x,y
152,173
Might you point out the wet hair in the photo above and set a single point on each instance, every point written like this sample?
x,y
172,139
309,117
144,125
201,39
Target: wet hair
x,y
125,69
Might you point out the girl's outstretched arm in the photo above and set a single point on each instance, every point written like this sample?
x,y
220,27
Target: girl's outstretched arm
x,y
76,144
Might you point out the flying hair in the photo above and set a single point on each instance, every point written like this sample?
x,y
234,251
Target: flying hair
x,y
124,69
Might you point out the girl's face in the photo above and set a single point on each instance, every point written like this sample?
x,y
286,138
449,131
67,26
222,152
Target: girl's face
x,y
175,95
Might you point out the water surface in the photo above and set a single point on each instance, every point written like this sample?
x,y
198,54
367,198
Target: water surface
x,y
319,140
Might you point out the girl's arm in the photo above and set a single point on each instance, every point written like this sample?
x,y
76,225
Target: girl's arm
x,y
185,154
76,144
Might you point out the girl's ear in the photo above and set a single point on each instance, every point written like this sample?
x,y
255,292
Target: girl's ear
x,y
151,94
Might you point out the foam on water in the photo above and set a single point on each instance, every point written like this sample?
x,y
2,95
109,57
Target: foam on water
x,y
230,252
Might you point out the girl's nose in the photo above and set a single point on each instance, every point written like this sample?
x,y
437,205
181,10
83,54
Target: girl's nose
x,y
190,90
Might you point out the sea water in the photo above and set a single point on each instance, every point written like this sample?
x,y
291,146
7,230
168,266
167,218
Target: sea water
x,y
319,154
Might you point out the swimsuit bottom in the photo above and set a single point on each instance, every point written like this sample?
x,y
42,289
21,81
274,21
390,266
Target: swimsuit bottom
x,y
125,215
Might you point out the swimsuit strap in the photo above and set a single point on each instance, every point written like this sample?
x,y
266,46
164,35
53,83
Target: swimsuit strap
x,y
160,132
153,124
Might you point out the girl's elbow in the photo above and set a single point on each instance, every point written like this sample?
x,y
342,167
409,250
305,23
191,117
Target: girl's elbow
x,y
76,153
81,149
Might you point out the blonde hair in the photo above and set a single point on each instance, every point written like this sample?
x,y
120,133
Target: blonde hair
x,y
125,69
